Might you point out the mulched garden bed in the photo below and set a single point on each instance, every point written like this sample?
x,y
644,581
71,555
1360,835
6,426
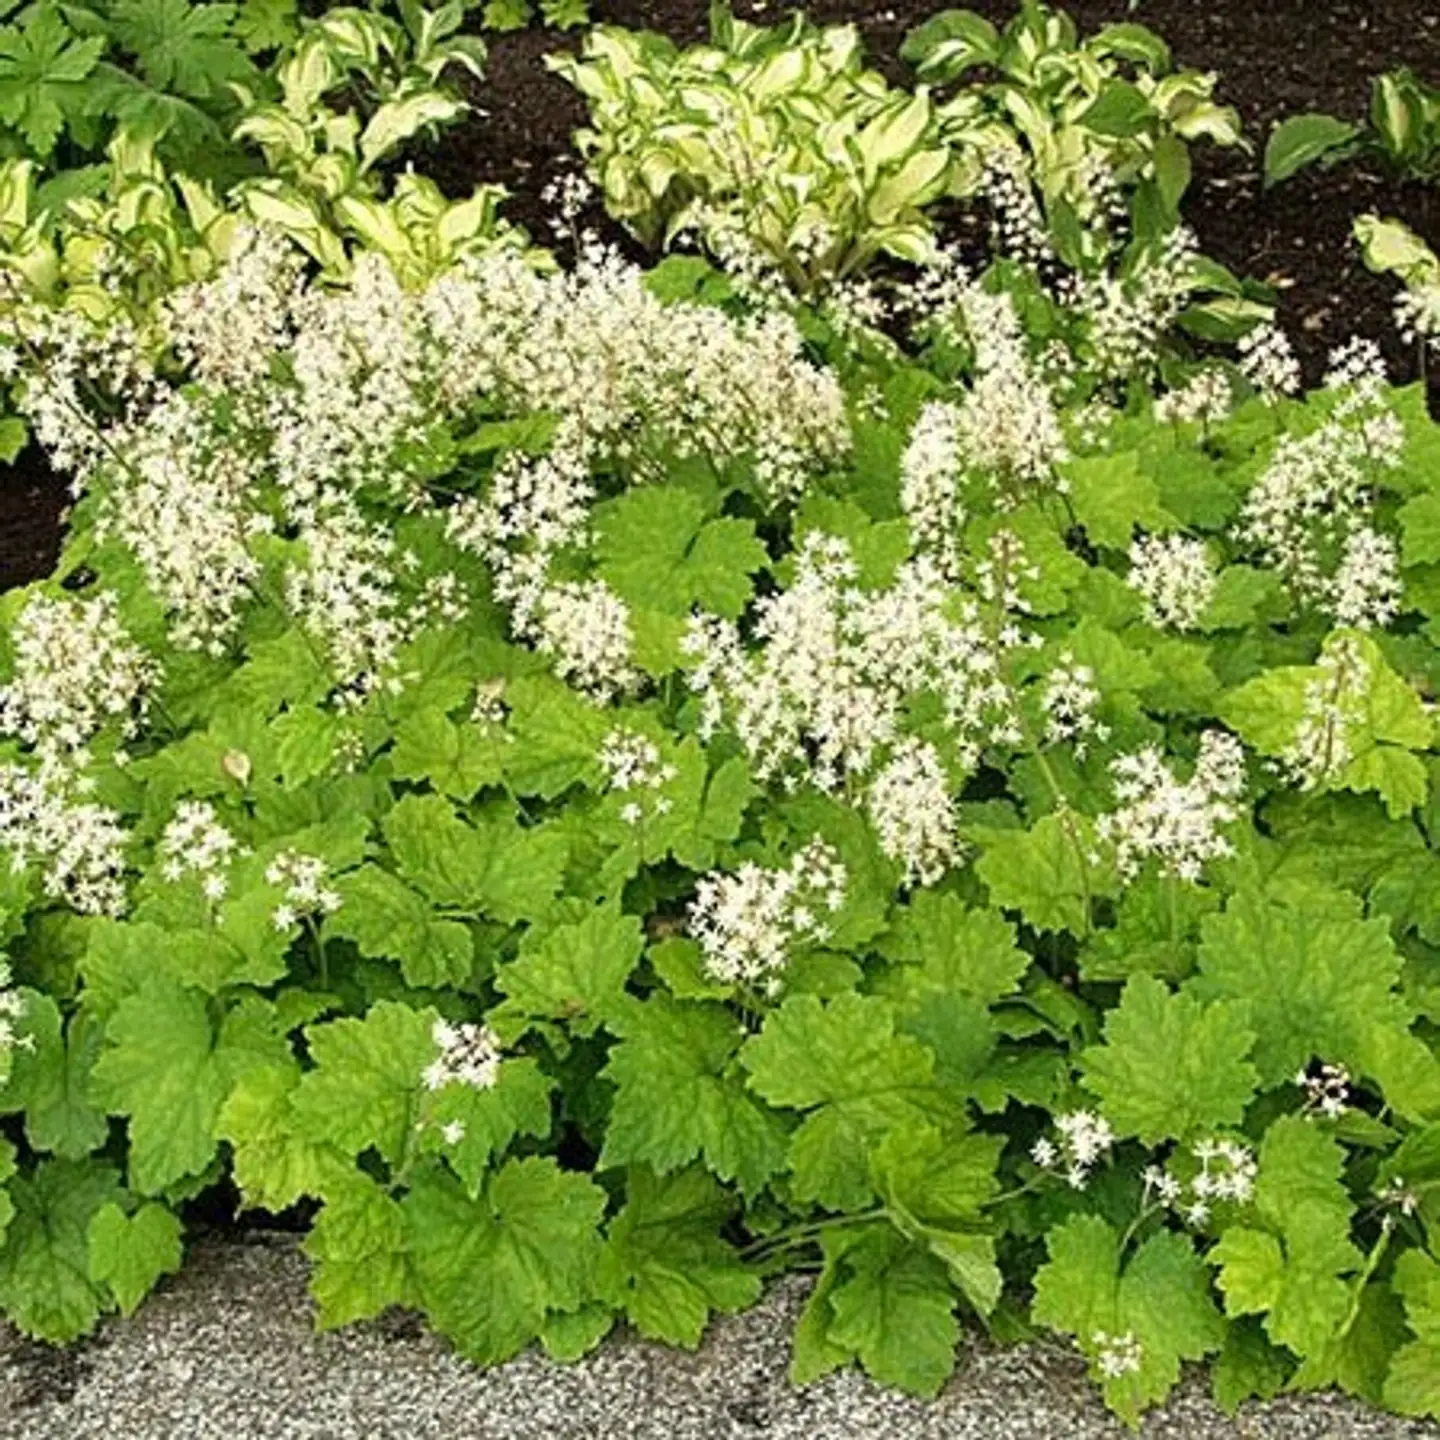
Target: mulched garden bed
x,y
1273,58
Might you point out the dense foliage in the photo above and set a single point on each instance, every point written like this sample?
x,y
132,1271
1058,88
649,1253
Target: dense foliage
x,y
614,785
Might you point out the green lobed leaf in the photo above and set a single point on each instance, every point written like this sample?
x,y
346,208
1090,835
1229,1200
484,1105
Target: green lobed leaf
x,y
1171,1067
680,1096
129,1253
665,1263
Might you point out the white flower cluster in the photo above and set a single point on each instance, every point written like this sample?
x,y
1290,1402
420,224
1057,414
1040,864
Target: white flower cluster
x,y
585,627
182,502
1334,706
633,766
1327,1091
1417,314
748,923
1005,432
1084,1139
1267,361
1175,577
1129,316
1117,1356
1310,511
1227,1173
913,812
80,360
594,347
227,328
196,843
309,395
1205,399
81,844
469,1054
12,1007
303,879
1018,228
75,669
823,691
1178,823
1070,701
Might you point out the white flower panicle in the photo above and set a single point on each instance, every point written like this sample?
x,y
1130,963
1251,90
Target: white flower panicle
x,y
468,1054
81,845
1334,707
196,843
585,627
183,503
1129,316
1177,823
634,767
1084,1139
930,468
1018,228
913,812
1175,577
1310,512
822,692
227,328
302,877
1117,1356
1227,1173
1070,702
76,669
1417,315
1267,361
1004,434
1366,590
1205,399
748,923
12,1007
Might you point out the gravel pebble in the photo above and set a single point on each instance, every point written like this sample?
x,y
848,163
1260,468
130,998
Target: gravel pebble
x,y
224,1351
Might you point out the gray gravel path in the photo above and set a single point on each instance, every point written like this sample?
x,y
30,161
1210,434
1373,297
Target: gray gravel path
x,y
225,1350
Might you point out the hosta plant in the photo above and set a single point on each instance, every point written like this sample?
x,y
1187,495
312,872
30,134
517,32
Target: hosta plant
x,y
1401,132
1100,127
1392,248
769,140
614,790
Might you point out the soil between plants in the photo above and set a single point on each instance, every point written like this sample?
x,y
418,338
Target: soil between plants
x,y
1273,59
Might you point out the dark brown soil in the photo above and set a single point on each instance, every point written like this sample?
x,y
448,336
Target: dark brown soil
x,y
1273,59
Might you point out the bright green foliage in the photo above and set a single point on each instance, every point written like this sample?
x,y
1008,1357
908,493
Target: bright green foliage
x,y
574,971
1171,1067
1159,1296
1294,1270
884,1301
358,1244
366,1084
45,1282
1044,873
678,798
1389,723
1413,1386
274,1163
49,1080
489,1271
844,1065
680,1095
665,1264
169,1070
1316,984
387,919
129,1253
